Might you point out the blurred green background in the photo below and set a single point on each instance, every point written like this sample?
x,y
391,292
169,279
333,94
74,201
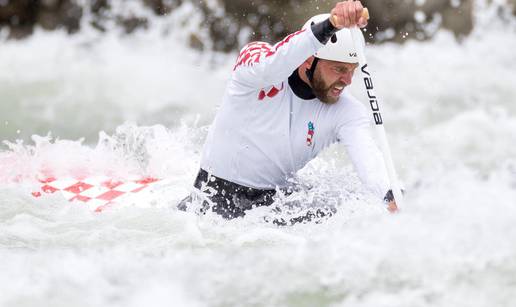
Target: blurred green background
x,y
269,20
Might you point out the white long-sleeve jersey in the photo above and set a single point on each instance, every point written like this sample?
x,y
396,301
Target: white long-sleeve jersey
x,y
266,129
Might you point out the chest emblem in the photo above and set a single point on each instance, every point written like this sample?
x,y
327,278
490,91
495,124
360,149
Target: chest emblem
x,y
310,136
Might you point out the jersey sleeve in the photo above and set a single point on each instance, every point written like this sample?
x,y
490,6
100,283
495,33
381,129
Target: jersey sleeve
x,y
354,132
260,64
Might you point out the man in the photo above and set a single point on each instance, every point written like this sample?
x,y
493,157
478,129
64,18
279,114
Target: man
x,y
282,106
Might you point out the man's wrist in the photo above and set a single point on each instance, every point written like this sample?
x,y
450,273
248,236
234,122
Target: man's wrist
x,y
323,31
389,196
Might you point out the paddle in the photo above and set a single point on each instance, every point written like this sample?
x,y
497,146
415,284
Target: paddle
x,y
374,103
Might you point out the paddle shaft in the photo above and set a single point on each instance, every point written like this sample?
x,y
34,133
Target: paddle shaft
x,y
374,103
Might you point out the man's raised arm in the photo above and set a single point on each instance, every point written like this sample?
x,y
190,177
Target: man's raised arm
x,y
260,64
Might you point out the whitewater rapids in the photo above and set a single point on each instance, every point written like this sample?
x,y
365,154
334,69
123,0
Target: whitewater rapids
x,y
450,116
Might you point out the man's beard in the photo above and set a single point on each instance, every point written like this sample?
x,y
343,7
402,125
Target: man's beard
x,y
322,91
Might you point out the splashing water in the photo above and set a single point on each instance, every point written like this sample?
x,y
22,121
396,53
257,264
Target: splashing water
x,y
450,116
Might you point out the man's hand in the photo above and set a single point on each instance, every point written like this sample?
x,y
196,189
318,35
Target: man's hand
x,y
347,14
392,207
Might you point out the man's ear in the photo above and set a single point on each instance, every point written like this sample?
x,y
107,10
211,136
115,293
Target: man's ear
x,y
308,63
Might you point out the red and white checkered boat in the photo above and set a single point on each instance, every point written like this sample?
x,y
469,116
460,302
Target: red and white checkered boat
x,y
97,192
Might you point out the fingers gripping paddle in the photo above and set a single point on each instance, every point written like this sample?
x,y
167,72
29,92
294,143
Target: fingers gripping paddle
x,y
374,103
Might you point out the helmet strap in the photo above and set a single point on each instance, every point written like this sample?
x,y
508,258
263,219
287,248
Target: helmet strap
x,y
310,72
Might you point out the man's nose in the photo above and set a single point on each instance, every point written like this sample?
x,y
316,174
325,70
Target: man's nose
x,y
346,78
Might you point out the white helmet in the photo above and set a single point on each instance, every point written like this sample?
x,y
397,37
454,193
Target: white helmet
x,y
340,47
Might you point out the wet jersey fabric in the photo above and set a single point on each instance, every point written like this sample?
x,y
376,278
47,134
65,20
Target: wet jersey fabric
x,y
269,125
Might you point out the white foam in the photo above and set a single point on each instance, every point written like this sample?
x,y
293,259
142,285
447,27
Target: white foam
x,y
449,112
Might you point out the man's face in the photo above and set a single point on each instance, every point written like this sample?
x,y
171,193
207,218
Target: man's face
x,y
330,79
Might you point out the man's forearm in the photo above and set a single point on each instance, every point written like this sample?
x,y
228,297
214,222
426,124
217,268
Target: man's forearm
x,y
323,31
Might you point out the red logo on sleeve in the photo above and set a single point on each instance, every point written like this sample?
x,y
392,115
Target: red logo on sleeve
x,y
273,91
